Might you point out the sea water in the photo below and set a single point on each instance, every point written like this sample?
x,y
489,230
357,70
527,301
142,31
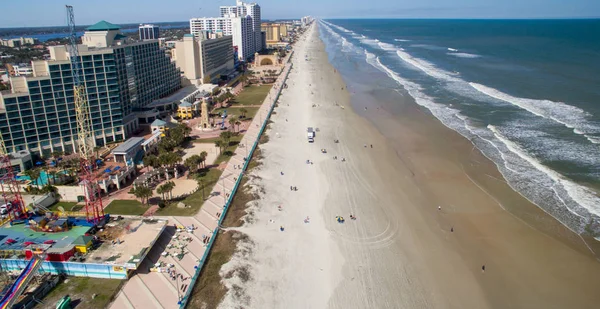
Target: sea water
x,y
525,92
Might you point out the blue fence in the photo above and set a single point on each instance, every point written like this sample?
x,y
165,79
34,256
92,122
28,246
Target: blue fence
x,y
70,268
185,299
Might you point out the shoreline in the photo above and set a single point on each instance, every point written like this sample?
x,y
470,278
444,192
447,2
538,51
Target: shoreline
x,y
400,252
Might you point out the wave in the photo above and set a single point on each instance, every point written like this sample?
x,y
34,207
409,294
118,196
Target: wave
x,y
452,49
401,40
387,46
581,195
570,116
464,55
427,67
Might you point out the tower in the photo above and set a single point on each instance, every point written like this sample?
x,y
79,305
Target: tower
x,y
204,114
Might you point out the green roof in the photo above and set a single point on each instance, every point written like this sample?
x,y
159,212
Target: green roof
x,y
158,123
82,240
103,25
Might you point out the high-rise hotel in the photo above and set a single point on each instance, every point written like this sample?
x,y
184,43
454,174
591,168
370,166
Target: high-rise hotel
x,y
241,21
39,113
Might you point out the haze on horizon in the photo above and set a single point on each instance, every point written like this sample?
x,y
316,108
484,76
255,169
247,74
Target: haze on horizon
x,y
35,13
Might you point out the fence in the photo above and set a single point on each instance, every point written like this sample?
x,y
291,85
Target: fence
x,y
185,299
70,268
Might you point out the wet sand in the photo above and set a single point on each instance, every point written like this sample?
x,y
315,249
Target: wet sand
x,y
400,252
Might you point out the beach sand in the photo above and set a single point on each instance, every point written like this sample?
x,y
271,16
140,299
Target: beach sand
x,y
400,251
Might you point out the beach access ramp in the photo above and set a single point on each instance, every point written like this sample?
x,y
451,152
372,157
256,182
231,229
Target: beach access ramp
x,y
13,293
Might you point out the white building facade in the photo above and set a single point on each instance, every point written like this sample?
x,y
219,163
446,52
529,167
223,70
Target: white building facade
x,y
241,21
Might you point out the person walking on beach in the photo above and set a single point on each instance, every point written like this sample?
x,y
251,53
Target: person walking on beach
x,y
483,268
439,207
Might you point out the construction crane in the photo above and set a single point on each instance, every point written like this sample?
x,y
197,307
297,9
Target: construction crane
x,y
85,140
11,192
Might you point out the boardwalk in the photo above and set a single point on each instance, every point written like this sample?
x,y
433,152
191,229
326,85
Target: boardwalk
x,y
147,289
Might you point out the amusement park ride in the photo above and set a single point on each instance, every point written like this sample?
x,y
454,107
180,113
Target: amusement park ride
x,y
16,208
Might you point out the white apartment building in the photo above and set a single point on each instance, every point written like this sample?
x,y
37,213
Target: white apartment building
x,y
240,28
241,21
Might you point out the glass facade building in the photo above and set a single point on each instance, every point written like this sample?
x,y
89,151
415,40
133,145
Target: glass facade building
x,y
39,114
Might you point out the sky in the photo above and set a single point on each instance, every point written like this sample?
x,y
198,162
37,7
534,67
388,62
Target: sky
x,y
33,13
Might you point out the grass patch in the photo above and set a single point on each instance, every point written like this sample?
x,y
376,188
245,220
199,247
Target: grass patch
x,y
68,206
212,140
228,152
195,200
252,95
235,111
209,291
81,289
126,207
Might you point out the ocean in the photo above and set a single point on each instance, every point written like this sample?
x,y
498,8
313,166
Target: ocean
x,y
524,92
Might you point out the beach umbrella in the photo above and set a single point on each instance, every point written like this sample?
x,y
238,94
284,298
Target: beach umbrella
x,y
107,170
117,168
39,163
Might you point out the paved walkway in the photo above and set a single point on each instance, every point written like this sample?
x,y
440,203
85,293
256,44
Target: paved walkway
x,y
149,289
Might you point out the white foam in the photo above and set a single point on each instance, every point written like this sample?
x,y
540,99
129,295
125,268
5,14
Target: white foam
x,y
581,195
452,49
427,67
387,46
464,55
570,116
401,40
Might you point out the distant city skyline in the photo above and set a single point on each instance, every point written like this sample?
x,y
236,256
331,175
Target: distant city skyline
x,y
38,13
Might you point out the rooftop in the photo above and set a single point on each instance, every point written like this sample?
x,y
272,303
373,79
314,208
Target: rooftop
x,y
128,145
185,104
103,25
158,123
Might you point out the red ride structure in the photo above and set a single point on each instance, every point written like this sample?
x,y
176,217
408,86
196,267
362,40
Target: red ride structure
x,y
11,193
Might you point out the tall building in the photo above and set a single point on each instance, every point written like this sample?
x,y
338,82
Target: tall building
x,y
241,21
204,60
240,28
148,32
39,113
243,9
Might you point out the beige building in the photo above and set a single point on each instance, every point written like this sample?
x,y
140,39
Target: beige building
x,y
18,42
274,32
204,61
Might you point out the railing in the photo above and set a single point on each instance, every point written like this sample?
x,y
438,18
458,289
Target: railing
x,y
183,302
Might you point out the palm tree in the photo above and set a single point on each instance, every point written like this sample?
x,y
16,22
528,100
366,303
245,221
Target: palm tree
x,y
243,79
238,123
97,149
219,143
143,193
170,187
33,175
243,111
53,173
232,121
151,160
161,190
203,156
226,137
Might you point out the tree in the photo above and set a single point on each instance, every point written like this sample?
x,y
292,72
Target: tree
x,y
161,190
170,186
151,160
219,143
232,121
53,173
33,175
169,160
226,137
143,193
193,161
243,79
243,111
97,149
203,156
238,123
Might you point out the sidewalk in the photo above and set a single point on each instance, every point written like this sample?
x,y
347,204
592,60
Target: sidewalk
x,y
147,289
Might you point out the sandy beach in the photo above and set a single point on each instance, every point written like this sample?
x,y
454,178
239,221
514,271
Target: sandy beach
x,y
430,212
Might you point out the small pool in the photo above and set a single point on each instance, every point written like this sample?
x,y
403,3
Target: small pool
x,y
43,179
